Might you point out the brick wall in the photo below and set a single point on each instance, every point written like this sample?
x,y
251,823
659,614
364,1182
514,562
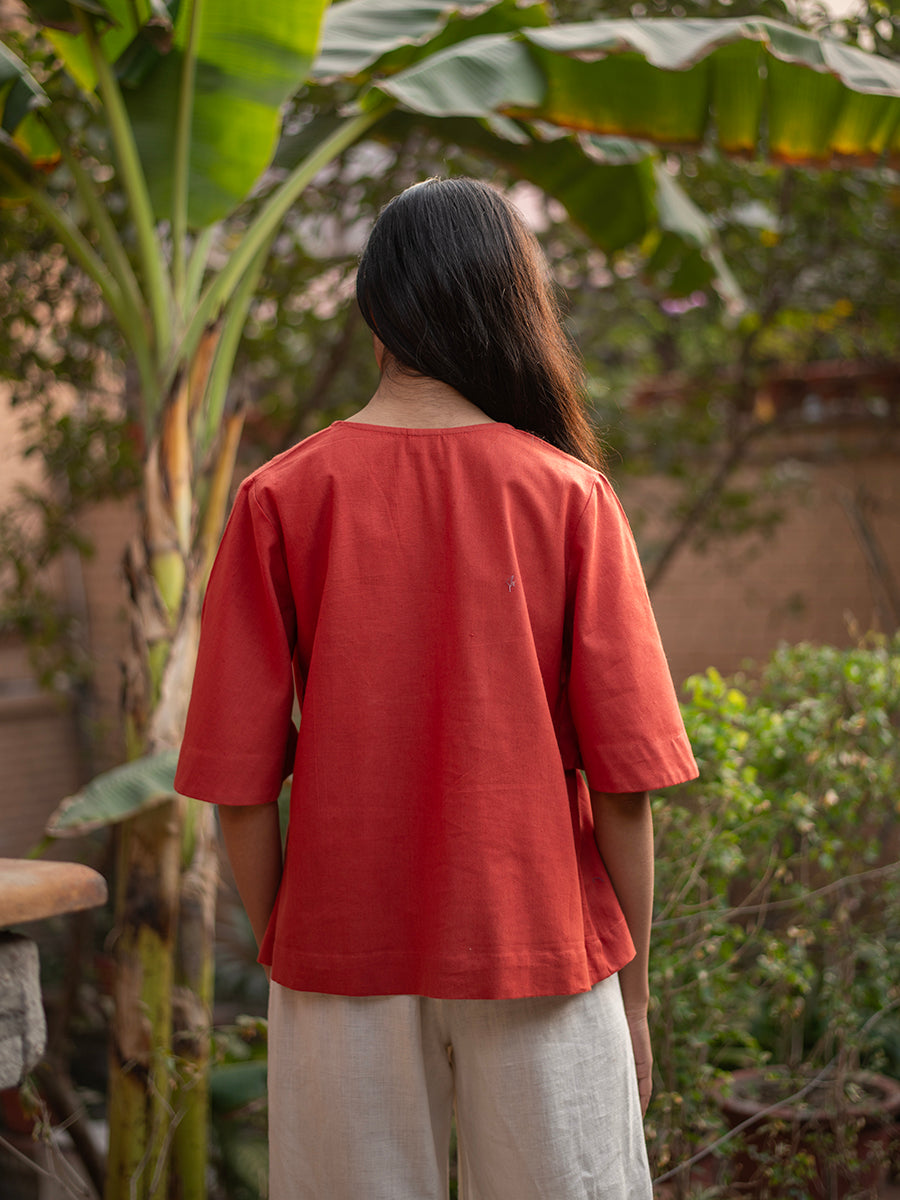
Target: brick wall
x,y
45,753
38,752
811,580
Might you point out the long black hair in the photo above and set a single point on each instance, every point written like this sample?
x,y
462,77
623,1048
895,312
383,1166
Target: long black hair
x,y
457,288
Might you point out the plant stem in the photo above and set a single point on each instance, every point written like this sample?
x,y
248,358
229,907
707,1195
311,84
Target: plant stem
x,y
192,1010
229,340
155,279
216,503
175,465
148,871
196,266
181,172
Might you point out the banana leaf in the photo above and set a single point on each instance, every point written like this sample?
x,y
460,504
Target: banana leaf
x,y
245,60
747,86
116,795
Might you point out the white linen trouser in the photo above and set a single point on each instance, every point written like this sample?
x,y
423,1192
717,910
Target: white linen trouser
x,y
361,1091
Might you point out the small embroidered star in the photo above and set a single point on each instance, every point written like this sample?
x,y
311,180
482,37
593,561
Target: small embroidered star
x,y
510,583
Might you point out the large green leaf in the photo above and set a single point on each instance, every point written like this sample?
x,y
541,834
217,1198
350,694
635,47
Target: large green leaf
x,y
357,33
475,78
747,85
116,795
384,36
250,58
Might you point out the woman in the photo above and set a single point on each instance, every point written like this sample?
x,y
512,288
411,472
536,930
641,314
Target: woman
x,y
449,584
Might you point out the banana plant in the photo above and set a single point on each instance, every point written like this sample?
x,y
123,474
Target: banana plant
x,y
192,95
193,120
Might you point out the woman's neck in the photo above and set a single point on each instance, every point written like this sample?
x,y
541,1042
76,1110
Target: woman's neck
x,y
419,402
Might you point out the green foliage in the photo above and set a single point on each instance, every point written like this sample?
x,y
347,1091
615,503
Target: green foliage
x,y
238,1108
778,885
235,116
116,795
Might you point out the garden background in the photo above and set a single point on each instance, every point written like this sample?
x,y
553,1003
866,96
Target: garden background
x,y
732,278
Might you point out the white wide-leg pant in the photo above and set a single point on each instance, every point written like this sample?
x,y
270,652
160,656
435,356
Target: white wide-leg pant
x,y
361,1092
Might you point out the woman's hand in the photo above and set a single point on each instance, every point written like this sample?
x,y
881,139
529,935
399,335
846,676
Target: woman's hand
x,y
643,1053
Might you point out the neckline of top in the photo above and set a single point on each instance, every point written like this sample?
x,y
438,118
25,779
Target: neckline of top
x,y
421,430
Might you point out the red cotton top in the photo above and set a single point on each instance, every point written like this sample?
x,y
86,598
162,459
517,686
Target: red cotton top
x,y
463,616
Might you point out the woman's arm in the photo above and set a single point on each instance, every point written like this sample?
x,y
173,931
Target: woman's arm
x,y
623,828
252,838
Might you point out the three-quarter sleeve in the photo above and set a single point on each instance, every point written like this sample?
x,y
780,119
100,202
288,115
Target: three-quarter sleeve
x,y
239,736
629,727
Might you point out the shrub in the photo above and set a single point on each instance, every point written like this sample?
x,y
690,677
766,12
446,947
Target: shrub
x,y
778,886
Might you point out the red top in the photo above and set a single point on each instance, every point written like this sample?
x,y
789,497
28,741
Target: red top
x,y
468,625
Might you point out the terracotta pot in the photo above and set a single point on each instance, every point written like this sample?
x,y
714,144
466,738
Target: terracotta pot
x,y
863,1128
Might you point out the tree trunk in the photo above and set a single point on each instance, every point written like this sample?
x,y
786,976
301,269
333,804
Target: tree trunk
x,y
147,896
192,1007
168,867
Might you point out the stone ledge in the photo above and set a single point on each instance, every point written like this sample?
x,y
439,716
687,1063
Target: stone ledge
x,y
30,890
